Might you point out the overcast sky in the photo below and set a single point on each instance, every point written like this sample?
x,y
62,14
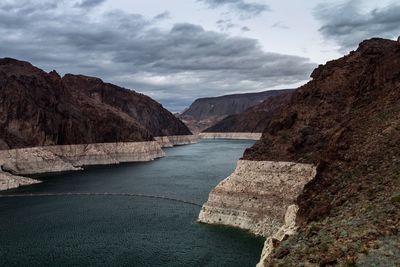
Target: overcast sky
x,y
179,50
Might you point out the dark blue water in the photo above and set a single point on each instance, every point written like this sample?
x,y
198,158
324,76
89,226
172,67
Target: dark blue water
x,y
128,231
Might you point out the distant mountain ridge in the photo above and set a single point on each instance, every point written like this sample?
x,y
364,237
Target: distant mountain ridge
x,y
254,119
39,108
205,112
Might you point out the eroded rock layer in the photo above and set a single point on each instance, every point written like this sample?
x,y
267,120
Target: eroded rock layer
x,y
230,135
176,140
256,195
9,181
49,159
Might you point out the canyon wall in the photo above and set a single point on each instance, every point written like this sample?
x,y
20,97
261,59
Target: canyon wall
x,y
49,159
231,135
206,112
256,195
176,140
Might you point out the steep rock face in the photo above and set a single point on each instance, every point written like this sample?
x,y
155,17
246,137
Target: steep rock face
x,y
36,109
254,119
256,195
61,158
147,112
205,112
346,121
40,109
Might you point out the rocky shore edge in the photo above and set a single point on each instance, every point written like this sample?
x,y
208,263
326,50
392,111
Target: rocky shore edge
x,y
259,197
16,163
230,135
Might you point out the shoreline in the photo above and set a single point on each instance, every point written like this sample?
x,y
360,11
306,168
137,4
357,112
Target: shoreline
x,y
17,163
231,135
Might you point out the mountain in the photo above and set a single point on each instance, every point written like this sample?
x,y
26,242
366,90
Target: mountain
x,y
39,108
255,118
346,121
144,110
205,112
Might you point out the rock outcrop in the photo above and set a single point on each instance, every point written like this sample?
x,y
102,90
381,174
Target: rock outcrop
x,y
9,181
205,112
256,195
233,135
289,228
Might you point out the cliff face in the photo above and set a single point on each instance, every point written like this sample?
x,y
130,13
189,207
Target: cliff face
x,y
205,112
36,109
47,159
346,121
254,119
39,109
255,197
142,109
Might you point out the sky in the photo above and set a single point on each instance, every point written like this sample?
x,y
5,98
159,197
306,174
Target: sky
x,y
178,50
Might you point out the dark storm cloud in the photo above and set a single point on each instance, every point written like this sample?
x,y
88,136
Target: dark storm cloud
x,y
173,66
244,9
348,25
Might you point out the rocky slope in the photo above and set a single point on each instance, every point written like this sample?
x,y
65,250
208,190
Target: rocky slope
x,y
205,112
39,108
254,119
346,122
141,108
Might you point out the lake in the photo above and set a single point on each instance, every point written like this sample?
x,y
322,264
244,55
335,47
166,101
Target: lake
x,y
118,230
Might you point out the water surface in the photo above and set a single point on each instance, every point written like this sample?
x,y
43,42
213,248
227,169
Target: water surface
x,y
128,231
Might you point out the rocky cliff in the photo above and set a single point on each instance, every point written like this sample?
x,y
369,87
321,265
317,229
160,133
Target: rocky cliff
x,y
205,112
256,195
141,108
255,118
47,159
346,122
40,109
54,124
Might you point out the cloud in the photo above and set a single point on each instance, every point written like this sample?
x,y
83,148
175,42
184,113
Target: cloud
x,y
89,3
244,9
348,25
162,16
280,25
173,66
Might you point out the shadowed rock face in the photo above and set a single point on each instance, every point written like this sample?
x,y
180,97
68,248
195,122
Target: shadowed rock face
x,y
38,109
254,119
149,113
346,121
205,112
